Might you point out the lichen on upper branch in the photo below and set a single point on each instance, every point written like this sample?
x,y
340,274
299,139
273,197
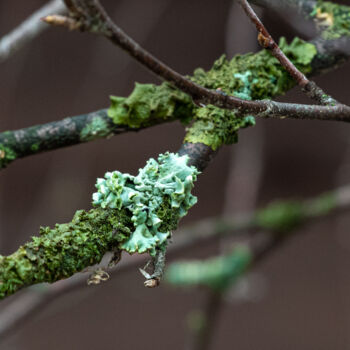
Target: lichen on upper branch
x,y
250,76
333,19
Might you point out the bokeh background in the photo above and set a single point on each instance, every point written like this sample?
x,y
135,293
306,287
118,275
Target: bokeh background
x,y
298,298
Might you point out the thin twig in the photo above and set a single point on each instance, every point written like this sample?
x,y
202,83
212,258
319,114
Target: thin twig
x,y
29,29
92,17
158,265
267,42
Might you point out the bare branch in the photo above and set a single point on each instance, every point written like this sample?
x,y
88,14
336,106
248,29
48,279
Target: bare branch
x,y
29,29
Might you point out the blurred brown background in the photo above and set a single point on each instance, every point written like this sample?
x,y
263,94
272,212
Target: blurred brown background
x,y
297,299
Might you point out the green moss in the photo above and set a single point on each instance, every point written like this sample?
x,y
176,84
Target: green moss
x,y
216,273
64,250
7,155
159,185
333,19
149,103
35,147
95,129
252,77
214,127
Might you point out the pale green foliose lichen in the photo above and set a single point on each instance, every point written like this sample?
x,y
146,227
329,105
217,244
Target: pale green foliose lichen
x,y
217,273
333,19
167,181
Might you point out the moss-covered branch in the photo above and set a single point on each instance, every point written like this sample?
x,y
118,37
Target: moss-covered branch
x,y
63,250
251,76
147,105
134,214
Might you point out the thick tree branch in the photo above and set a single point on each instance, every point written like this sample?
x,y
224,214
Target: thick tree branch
x,y
29,29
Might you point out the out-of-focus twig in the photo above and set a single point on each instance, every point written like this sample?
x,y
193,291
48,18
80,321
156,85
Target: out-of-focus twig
x,y
29,29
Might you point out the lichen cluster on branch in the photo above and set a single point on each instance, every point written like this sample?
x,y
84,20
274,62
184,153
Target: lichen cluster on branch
x,y
168,179
134,213
250,76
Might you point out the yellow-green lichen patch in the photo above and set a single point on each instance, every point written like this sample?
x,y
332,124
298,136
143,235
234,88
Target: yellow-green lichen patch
x,y
333,19
157,198
149,103
7,155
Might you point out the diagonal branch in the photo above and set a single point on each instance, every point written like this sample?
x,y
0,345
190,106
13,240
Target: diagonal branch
x,y
29,29
267,42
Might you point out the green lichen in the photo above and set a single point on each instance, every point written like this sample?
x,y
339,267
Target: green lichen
x,y
333,19
285,216
281,217
7,155
64,250
149,103
160,184
95,129
250,76
299,52
217,273
35,147
321,205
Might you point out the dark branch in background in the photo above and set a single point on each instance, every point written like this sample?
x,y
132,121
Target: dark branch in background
x,y
267,42
29,29
91,16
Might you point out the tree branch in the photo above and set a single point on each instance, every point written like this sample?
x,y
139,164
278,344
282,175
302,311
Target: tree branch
x,y
29,29
91,16
267,42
